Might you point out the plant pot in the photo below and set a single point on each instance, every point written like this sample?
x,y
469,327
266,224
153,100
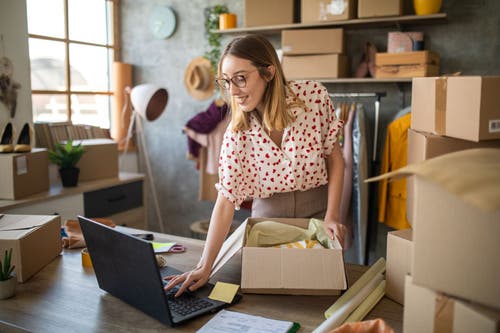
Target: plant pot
x,y
69,176
426,7
8,287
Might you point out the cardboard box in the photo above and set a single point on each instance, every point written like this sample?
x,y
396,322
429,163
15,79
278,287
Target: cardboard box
x,y
423,146
466,107
100,159
312,41
322,66
269,270
378,8
427,311
262,12
35,241
402,41
23,174
398,265
473,108
326,10
456,224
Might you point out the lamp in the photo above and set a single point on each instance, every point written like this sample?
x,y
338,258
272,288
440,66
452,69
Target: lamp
x,y
148,102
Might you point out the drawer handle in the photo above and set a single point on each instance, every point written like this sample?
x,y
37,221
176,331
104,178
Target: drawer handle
x,y
117,198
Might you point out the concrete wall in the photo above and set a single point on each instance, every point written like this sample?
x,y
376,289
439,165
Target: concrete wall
x,y
469,42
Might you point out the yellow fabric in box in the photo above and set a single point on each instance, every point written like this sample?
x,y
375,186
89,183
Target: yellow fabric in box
x,y
305,244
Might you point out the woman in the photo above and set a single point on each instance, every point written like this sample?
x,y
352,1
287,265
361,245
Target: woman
x,y
280,149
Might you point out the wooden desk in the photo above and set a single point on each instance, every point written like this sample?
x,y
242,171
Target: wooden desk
x,y
64,297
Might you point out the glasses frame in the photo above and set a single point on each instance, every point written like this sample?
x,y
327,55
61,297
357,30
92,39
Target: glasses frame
x,y
223,82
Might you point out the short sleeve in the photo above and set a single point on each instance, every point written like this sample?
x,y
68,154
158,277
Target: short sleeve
x,y
330,125
230,171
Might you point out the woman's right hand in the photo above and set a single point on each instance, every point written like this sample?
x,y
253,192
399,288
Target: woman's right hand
x,y
193,280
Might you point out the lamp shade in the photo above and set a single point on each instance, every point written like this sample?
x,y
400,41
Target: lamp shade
x,y
148,100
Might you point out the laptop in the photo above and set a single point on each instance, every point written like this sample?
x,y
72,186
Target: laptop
x,y
125,266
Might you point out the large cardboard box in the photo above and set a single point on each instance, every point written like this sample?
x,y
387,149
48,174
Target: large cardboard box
x,y
23,174
466,107
428,311
35,241
312,41
327,10
398,265
263,12
423,146
321,66
457,224
270,270
378,8
100,159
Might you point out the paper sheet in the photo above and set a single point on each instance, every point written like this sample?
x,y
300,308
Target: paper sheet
x,y
224,292
230,322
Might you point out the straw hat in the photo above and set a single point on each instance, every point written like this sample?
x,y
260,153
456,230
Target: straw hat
x,y
199,78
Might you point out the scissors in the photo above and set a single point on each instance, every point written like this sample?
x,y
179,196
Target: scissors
x,y
177,248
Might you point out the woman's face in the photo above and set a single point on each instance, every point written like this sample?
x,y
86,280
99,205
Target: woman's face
x,y
249,96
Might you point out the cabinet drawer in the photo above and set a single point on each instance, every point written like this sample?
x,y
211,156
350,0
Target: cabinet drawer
x,y
113,200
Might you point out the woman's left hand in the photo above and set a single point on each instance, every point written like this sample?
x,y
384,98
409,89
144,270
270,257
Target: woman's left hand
x,y
339,231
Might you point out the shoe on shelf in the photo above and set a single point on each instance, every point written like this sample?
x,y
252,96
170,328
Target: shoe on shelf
x,y
23,144
6,145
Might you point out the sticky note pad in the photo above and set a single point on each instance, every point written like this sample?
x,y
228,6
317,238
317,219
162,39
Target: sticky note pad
x,y
224,292
162,247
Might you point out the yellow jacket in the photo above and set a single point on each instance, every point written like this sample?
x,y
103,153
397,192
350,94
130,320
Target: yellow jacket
x,y
392,195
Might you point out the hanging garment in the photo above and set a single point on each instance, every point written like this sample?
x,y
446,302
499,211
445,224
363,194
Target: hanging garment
x,y
392,195
360,190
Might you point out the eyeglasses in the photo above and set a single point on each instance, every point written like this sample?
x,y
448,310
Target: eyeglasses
x,y
239,81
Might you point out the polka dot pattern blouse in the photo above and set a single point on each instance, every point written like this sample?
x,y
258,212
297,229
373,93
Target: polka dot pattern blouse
x,y
251,165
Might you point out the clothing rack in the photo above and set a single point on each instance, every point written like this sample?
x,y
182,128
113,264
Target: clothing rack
x,y
378,96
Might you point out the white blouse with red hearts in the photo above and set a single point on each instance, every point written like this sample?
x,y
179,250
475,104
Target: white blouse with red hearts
x,y
251,165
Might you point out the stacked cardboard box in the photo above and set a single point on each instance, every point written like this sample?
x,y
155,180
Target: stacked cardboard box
x,y
326,10
407,64
263,12
314,53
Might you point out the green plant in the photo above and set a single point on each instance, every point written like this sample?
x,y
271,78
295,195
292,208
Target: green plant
x,y
214,39
5,267
66,155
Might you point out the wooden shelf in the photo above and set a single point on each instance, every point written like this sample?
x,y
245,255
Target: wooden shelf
x,y
365,80
355,23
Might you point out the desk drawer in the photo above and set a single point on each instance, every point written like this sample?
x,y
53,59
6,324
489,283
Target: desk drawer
x,y
112,200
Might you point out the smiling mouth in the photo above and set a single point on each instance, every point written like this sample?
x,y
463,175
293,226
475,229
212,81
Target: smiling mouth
x,y
241,100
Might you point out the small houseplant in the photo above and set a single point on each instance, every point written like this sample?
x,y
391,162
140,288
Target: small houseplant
x,y
66,156
214,39
8,280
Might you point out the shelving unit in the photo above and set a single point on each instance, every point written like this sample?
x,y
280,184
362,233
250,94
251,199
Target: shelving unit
x,y
351,24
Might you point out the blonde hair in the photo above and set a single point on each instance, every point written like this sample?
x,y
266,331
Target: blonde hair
x,y
259,51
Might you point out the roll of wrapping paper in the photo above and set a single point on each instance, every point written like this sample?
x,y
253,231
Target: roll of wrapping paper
x,y
86,261
122,78
338,317
368,304
377,268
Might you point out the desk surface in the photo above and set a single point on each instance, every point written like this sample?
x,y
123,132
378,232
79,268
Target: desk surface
x,y
64,296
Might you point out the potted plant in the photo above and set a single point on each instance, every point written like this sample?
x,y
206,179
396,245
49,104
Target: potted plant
x,y
8,281
214,39
66,156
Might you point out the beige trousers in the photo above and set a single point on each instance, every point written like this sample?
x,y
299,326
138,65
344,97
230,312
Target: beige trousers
x,y
298,204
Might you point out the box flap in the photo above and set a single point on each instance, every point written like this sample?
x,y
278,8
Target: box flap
x,y
229,248
473,175
17,226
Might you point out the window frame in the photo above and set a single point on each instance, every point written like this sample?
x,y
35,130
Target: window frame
x,y
114,46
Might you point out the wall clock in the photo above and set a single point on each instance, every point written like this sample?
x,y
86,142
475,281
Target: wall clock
x,y
162,21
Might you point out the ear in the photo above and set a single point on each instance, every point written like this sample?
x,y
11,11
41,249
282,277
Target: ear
x,y
271,70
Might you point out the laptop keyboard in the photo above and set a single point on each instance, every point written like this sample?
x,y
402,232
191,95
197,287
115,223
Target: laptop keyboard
x,y
186,303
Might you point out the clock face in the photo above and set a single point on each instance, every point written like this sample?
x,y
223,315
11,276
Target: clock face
x,y
162,21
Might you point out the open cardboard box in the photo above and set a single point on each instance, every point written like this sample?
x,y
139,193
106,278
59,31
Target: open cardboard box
x,y
269,270
35,241
456,224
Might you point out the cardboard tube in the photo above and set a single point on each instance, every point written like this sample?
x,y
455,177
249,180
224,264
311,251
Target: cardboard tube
x,y
338,317
368,304
377,268
122,78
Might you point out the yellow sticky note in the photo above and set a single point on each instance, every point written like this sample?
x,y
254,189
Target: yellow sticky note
x,y
224,292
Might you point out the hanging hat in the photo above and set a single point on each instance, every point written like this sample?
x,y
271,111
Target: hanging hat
x,y
199,79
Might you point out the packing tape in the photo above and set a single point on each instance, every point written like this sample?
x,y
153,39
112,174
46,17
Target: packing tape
x,y
86,261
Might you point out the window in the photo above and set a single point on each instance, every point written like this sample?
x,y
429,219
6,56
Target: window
x,y
71,47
